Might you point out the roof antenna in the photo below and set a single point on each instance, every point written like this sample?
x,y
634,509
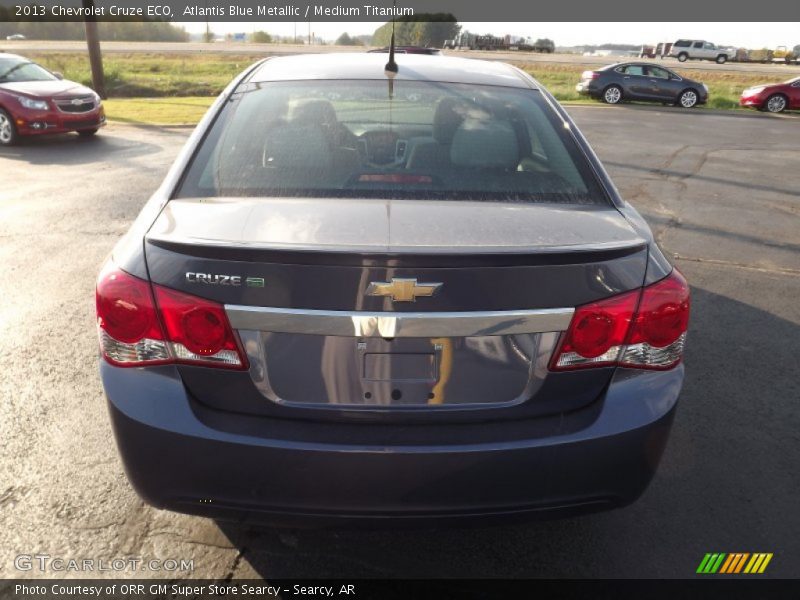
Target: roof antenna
x,y
391,67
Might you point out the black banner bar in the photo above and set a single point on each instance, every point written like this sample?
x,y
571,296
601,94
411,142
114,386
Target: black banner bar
x,y
384,10
705,588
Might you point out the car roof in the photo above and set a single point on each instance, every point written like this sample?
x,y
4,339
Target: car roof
x,y
9,55
635,64
412,67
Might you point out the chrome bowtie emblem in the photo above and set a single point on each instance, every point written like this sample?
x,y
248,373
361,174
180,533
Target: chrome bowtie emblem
x,y
76,101
402,290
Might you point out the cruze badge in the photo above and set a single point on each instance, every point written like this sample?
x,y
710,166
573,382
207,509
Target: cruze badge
x,y
210,279
233,280
402,290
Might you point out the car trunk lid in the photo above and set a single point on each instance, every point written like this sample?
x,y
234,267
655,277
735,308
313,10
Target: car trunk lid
x,y
298,278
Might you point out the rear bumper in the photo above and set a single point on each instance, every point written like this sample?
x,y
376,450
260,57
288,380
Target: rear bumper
x,y
594,458
588,89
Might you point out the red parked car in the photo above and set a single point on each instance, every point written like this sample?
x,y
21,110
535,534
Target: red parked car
x,y
35,101
773,97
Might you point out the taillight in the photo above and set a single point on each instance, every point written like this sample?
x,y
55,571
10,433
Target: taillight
x,y
658,333
137,328
597,333
127,321
644,328
198,329
590,75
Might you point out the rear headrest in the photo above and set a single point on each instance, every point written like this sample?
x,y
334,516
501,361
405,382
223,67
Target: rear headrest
x,y
446,120
296,145
313,111
485,143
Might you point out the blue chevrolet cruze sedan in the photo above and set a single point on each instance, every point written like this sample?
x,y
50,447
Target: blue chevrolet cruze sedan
x,y
364,295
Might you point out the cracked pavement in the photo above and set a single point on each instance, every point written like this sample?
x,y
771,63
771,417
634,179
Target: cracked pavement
x,y
722,193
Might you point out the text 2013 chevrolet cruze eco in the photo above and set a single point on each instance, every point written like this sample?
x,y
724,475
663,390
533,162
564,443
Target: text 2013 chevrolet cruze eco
x,y
361,295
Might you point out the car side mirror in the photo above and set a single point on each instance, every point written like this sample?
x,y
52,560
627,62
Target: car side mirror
x,y
58,75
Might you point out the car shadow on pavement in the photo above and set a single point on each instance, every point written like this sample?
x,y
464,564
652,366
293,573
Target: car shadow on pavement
x,y
654,220
697,111
725,483
684,175
71,149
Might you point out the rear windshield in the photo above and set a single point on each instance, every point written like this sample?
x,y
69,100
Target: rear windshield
x,y
373,139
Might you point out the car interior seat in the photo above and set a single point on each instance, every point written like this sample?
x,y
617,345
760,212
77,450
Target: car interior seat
x,y
486,144
435,152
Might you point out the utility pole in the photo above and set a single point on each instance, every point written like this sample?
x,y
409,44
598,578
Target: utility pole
x,y
93,45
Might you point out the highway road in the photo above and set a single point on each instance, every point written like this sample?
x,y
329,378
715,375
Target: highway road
x,y
779,71
722,192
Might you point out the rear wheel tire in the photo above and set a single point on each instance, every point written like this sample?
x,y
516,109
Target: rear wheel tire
x,y
688,99
775,103
8,131
87,133
682,57
722,59
612,94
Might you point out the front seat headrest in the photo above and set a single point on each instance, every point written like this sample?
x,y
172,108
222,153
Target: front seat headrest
x,y
313,110
448,116
486,144
298,146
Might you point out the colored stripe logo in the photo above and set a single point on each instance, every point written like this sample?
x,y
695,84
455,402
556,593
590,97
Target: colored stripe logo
x,y
734,563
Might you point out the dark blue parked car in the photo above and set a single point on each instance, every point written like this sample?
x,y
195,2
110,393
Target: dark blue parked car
x,y
362,296
643,82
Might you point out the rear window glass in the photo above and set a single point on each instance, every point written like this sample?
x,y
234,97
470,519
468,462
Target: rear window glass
x,y
411,140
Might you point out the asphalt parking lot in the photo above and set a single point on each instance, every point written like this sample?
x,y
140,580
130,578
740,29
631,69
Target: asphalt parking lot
x,y
722,192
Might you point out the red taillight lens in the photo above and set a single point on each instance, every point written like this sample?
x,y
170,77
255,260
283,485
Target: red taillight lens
x,y
663,313
198,329
597,333
125,307
130,332
590,75
658,333
205,331
644,328
137,328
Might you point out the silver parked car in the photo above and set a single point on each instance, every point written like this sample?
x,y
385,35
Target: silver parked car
x,y
685,50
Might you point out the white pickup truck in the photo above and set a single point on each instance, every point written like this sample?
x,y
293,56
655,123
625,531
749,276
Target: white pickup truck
x,y
685,50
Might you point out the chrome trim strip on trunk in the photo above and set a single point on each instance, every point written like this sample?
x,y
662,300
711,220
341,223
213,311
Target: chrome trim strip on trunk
x,y
394,325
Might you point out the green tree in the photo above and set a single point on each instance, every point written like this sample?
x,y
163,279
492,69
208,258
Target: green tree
x,y
424,29
346,40
260,37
